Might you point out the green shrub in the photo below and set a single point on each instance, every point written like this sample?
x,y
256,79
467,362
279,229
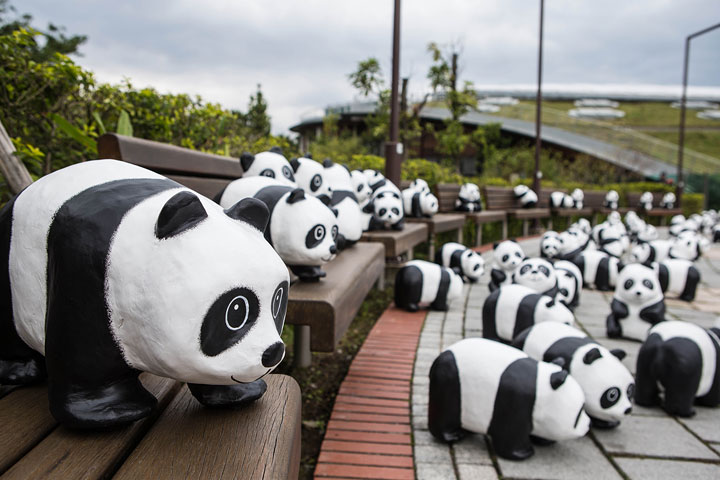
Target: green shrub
x,y
692,203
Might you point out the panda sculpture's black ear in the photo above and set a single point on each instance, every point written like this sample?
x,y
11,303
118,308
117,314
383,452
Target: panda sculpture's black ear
x,y
295,164
308,155
619,353
335,212
512,240
327,163
591,355
325,199
296,195
559,361
495,245
182,212
246,159
251,211
276,149
620,266
368,208
558,378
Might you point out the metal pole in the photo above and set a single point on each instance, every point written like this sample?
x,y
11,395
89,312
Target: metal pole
x,y
392,157
538,107
681,137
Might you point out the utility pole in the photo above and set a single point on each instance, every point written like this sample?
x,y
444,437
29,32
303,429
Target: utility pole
x,y
538,108
393,149
15,173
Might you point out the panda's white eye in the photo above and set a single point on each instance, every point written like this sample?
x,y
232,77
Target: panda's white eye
x,y
319,232
236,314
315,236
525,269
648,284
610,397
334,232
316,182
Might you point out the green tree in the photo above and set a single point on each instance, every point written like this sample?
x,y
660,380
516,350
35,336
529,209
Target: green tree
x,y
368,77
257,119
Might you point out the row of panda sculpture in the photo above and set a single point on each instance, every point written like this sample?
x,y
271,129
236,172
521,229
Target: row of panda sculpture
x,y
534,377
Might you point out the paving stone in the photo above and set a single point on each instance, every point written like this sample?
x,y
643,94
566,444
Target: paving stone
x,y
419,399
421,378
705,423
653,436
420,422
648,411
571,460
644,468
630,347
476,472
423,437
473,333
434,471
433,453
419,410
472,450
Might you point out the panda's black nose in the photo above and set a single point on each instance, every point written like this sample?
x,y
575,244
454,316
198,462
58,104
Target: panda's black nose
x,y
333,249
273,354
628,411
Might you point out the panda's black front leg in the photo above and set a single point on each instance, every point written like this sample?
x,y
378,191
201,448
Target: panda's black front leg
x,y
543,442
228,395
618,310
399,225
307,273
444,405
603,424
646,385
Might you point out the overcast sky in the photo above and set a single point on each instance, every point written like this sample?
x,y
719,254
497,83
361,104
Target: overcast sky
x,y
302,51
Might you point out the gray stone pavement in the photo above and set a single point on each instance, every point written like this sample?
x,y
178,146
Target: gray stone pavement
x,y
648,444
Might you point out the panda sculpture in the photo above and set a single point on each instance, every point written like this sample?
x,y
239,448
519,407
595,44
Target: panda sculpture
x,y
570,282
513,308
578,197
599,270
678,277
612,240
508,255
668,201
612,198
716,233
537,274
649,252
350,216
375,179
302,229
310,176
687,246
646,200
385,209
420,185
111,270
526,196
676,223
420,283
268,164
550,245
637,305
607,384
647,233
361,189
465,262
561,200
583,224
682,359
572,243
481,386
468,198
419,204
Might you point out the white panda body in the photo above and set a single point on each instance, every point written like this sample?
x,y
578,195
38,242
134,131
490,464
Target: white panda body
x,y
611,199
507,255
561,200
385,208
420,185
468,198
578,196
570,281
374,178
420,283
344,200
418,203
646,200
461,259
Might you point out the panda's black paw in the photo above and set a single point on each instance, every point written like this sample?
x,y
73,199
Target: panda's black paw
x,y
228,395
412,307
517,453
604,424
14,372
543,442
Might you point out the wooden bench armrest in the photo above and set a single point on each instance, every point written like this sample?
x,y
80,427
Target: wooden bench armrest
x,y
397,242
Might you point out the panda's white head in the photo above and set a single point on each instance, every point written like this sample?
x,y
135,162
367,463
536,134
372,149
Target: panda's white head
x,y
268,164
469,192
614,218
387,204
584,225
550,244
648,233
472,264
428,204
578,195
537,274
361,189
676,219
611,241
420,185
375,179
508,255
521,190
338,177
608,385
310,176
570,241
196,293
641,253
569,280
668,200
638,285
303,229
612,196
687,246
646,200
559,411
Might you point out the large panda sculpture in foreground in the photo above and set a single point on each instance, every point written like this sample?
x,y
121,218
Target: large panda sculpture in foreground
x,y
111,269
608,385
481,386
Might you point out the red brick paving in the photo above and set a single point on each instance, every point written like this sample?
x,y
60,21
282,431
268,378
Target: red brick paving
x,y
368,435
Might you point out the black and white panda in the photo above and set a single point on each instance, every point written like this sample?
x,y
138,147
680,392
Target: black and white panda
x,y
607,384
420,185
350,217
537,274
513,308
550,245
361,189
561,200
111,269
637,305
682,359
385,209
302,229
420,283
687,246
310,176
646,200
599,270
570,282
582,224
481,386
374,178
716,233
578,197
508,256
462,260
612,241
268,164
526,196
668,201
649,252
468,198
612,199
572,242
676,224
678,278
419,204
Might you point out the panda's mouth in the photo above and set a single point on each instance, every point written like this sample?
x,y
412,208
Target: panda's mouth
x,y
244,383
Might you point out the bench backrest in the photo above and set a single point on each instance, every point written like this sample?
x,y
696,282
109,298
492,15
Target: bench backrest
x,y
594,198
446,194
634,199
205,173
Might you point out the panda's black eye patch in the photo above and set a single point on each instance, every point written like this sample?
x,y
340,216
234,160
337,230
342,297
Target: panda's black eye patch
x,y
315,236
360,187
505,257
545,271
610,397
476,267
518,254
382,211
334,232
279,305
631,391
316,182
287,173
228,320
628,284
648,284
525,269
267,173
395,211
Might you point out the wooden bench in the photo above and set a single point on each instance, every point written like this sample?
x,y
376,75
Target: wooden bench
x,y
447,193
334,301
544,201
503,198
181,439
657,211
398,243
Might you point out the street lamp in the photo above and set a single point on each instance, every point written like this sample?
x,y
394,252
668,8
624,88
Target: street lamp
x,y
538,108
681,139
393,155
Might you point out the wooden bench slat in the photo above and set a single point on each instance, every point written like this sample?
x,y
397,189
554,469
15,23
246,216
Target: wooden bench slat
x,y
329,305
67,453
398,242
487,216
204,186
260,441
440,222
